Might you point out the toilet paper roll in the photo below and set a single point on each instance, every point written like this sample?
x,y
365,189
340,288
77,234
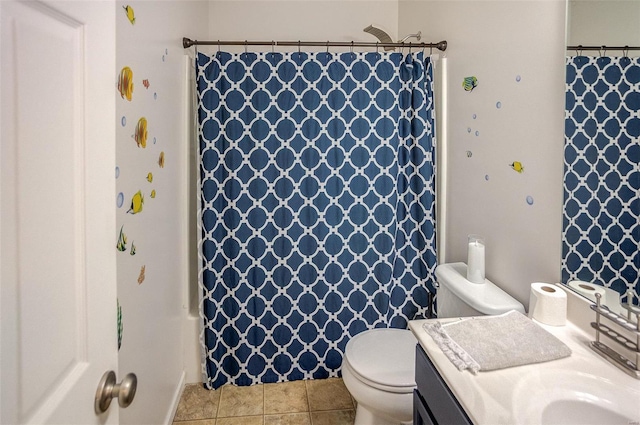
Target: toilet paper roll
x,y
548,304
589,290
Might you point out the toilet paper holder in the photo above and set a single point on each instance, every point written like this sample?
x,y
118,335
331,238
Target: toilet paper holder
x,y
626,365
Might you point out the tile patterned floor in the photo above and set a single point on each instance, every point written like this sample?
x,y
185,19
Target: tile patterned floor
x,y
315,402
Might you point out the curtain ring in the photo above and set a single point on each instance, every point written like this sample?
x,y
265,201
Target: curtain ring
x,y
377,48
351,48
218,46
299,54
600,51
410,47
245,48
625,52
327,47
273,43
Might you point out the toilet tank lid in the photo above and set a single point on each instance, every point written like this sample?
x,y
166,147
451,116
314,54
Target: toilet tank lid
x,y
486,297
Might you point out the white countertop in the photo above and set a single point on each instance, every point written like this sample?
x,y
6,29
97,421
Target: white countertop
x,y
517,395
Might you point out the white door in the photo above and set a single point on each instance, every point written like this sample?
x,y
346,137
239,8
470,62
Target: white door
x,y
57,252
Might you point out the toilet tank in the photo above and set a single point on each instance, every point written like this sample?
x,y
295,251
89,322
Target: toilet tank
x,y
458,297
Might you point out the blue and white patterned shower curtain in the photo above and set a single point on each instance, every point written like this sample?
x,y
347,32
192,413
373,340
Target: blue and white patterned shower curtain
x,y
601,223
317,177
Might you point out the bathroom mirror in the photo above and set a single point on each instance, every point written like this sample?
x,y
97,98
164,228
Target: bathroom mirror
x,y
601,218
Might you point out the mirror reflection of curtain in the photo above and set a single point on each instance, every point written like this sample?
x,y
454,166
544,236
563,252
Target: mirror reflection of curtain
x,y
601,219
317,207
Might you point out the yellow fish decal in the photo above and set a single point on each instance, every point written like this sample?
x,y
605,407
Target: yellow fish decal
x,y
150,177
137,203
141,133
130,15
153,193
133,249
161,160
517,166
122,241
125,83
141,276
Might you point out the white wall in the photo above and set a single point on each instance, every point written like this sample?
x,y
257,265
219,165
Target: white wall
x,y
497,41
604,22
152,311
301,20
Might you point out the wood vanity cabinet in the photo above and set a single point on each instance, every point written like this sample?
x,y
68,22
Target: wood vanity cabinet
x,y
433,401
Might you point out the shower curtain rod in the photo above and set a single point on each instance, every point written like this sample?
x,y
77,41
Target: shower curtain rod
x,y
186,43
623,48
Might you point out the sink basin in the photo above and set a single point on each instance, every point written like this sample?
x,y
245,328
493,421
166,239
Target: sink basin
x,y
564,397
581,413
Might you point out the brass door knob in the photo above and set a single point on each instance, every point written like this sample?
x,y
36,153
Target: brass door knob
x,y
108,389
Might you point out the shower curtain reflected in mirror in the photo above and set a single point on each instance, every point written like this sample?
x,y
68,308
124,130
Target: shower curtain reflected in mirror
x,y
601,222
317,193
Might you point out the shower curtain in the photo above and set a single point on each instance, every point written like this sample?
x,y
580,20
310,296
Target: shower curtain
x,y
317,196
601,223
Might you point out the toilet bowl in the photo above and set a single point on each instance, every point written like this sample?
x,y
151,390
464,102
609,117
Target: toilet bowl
x,y
378,370
378,367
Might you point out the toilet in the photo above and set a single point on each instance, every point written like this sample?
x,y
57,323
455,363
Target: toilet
x,y
378,367
378,370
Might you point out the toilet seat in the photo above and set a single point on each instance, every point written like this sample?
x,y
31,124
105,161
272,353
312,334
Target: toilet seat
x,y
383,359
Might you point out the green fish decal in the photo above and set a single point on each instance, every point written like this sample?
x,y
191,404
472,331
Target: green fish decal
x,y
469,83
133,249
122,241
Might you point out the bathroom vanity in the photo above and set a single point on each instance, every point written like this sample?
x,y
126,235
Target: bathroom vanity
x,y
433,401
583,388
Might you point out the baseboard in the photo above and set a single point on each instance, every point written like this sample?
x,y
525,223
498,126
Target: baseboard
x,y
176,399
